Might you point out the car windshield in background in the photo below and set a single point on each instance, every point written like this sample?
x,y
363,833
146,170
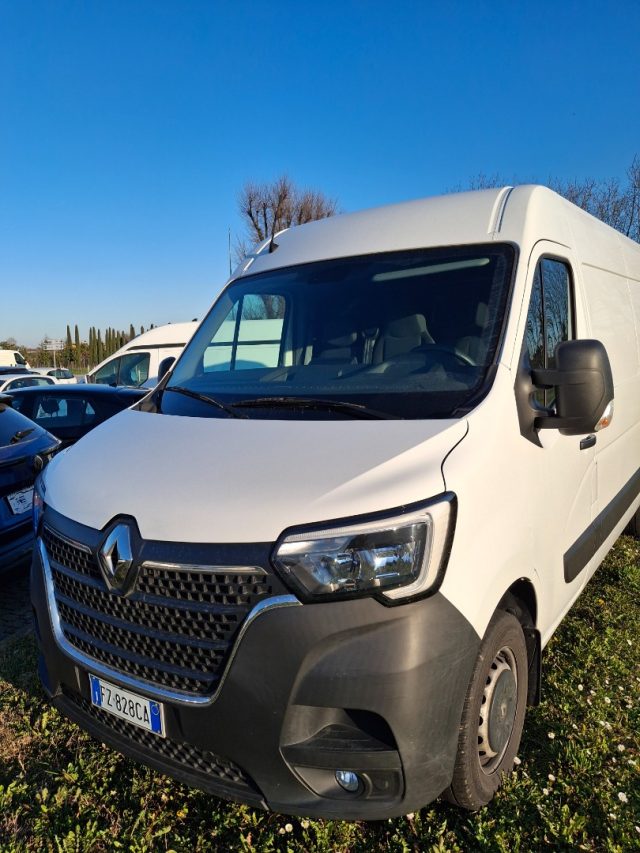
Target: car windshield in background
x,y
402,334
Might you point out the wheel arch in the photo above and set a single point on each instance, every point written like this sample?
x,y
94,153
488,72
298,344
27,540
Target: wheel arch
x,y
521,601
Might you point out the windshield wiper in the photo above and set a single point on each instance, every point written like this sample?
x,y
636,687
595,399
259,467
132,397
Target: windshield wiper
x,y
204,398
354,409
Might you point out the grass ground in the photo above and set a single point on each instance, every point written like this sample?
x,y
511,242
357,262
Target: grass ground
x,y
577,786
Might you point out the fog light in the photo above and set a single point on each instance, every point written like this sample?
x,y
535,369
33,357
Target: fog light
x,y
348,780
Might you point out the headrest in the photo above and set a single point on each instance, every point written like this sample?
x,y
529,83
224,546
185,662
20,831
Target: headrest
x,y
405,327
343,340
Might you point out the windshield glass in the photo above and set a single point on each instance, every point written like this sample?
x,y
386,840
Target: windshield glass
x,y
406,334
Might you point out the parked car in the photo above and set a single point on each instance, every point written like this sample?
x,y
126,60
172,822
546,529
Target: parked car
x,y
315,569
15,371
62,375
71,411
13,381
25,448
136,363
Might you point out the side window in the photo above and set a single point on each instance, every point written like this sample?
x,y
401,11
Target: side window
x,y
108,373
550,318
49,407
250,336
134,369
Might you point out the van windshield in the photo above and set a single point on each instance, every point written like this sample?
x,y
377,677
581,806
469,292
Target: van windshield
x,y
402,334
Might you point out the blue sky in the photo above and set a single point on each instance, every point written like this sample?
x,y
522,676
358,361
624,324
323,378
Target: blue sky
x,y
128,128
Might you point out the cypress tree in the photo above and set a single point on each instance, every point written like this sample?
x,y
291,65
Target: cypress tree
x,y
77,345
132,332
69,347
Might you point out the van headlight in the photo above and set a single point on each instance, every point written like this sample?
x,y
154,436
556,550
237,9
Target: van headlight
x,y
398,556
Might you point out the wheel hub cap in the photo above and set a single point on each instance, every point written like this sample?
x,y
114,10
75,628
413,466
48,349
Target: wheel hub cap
x,y
498,710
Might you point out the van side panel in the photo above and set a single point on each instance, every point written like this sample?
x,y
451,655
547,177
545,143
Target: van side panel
x,y
609,265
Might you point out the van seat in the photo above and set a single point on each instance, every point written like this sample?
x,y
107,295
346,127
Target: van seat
x,y
401,336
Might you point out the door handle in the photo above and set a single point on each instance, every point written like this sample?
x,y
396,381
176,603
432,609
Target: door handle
x,y
589,441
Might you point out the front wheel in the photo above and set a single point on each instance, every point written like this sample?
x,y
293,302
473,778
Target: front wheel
x,y
493,714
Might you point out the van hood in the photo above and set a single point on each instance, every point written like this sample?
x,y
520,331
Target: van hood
x,y
222,480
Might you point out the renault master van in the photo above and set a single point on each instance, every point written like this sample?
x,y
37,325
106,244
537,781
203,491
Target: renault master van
x,y
315,569
136,363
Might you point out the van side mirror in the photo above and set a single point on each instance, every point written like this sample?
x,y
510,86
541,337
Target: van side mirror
x,y
584,388
165,366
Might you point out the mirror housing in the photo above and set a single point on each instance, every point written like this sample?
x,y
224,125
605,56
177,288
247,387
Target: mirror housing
x,y
584,387
165,366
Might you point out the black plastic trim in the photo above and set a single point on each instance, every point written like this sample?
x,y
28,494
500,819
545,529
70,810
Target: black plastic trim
x,y
584,548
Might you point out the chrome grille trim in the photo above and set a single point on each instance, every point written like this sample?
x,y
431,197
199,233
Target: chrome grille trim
x,y
205,569
153,691
72,542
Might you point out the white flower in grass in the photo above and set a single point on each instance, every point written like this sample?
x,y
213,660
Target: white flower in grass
x,y
551,777
620,747
517,761
410,816
545,791
607,700
304,824
580,687
288,827
623,797
551,735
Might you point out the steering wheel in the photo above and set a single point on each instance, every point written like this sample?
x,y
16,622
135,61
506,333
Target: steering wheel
x,y
451,352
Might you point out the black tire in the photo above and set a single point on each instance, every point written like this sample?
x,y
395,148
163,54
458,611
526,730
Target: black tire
x,y
488,742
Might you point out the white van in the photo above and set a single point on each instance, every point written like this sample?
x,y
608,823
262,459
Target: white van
x,y
137,362
315,569
12,358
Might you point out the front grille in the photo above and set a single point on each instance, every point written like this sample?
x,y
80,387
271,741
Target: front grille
x,y
193,760
67,554
175,630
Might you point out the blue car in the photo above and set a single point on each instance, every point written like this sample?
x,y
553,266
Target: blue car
x,y
25,448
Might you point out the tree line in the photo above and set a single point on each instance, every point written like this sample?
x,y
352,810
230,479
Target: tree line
x,y
77,353
267,208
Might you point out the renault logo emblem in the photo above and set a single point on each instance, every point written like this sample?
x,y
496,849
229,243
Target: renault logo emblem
x,y
116,558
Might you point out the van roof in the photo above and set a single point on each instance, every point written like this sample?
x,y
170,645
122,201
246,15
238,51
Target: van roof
x,y
171,333
521,215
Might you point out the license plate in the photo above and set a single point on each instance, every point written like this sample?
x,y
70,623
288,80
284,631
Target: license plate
x,y
128,706
21,501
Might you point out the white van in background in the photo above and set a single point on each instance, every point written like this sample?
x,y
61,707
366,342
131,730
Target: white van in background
x,y
315,569
136,363
12,358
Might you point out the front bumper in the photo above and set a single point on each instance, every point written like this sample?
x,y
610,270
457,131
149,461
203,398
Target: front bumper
x,y
309,689
16,543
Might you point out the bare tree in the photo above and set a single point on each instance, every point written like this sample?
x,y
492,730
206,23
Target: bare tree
x,y
265,209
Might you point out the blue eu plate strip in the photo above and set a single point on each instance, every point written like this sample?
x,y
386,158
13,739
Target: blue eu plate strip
x,y
156,719
96,694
